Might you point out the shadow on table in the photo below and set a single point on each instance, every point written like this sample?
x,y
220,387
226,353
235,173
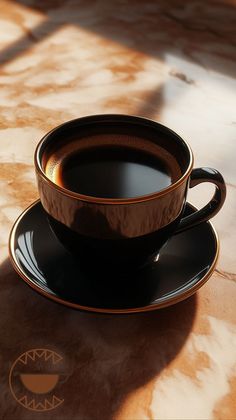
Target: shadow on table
x,y
110,356
189,31
154,28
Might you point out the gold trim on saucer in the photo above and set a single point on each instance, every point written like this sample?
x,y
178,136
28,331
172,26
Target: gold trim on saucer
x,y
168,302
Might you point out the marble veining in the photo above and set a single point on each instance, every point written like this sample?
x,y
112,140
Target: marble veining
x,y
197,397
175,63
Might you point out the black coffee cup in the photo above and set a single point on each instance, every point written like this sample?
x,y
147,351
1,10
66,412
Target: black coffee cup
x,y
118,231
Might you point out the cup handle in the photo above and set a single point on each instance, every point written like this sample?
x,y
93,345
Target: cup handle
x,y
198,176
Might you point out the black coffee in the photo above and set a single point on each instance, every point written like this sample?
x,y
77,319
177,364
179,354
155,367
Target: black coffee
x,y
113,172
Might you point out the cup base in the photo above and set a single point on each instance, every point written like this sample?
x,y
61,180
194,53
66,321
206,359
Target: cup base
x,y
113,255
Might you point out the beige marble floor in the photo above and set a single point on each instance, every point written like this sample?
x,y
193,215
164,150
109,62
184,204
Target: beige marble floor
x,y
173,61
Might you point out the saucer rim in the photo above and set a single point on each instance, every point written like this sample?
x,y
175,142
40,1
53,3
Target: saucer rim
x,y
148,308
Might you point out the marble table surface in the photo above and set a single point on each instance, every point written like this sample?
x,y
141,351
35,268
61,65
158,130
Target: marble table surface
x,y
173,61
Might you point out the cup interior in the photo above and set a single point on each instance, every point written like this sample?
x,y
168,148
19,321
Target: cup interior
x,y
101,132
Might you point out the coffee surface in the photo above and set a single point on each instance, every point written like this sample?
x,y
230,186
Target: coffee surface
x,y
112,172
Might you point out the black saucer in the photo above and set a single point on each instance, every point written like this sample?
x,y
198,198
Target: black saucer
x,y
183,266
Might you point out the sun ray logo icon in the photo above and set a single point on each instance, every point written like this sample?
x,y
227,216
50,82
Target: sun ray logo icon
x,y
35,379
